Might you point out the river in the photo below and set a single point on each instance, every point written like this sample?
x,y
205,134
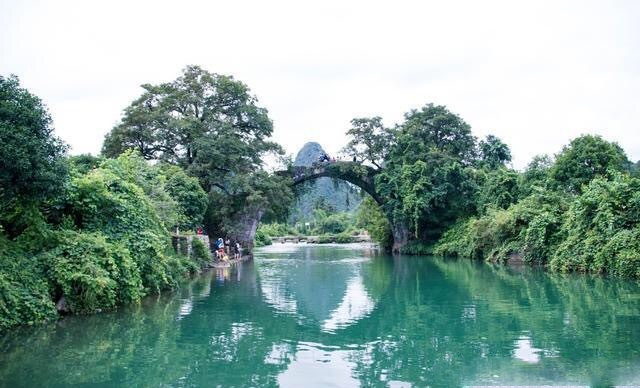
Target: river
x,y
343,316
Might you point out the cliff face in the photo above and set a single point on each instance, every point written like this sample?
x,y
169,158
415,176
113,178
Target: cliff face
x,y
324,193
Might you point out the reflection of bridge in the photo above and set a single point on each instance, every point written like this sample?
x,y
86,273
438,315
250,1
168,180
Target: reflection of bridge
x,y
352,172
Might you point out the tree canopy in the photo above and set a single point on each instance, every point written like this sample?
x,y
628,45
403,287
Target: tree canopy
x,y
210,125
370,140
585,158
31,157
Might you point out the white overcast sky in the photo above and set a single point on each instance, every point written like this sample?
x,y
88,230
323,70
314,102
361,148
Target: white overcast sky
x,y
534,73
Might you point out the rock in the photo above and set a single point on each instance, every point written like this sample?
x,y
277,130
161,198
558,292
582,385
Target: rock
x,y
62,306
336,194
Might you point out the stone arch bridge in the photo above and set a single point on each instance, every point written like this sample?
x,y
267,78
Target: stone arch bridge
x,y
352,172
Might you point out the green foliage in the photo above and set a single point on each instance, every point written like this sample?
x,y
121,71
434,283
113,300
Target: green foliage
x,y
370,141
277,229
200,253
24,292
210,125
426,179
494,153
431,194
101,201
497,188
191,198
333,223
529,228
596,231
82,164
90,272
584,159
536,175
261,239
600,230
132,168
371,218
32,167
344,238
98,238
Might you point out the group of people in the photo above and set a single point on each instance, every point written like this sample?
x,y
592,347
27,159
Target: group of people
x,y
325,158
226,249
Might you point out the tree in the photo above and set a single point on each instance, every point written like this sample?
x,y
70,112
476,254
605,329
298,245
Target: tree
x,y
434,127
536,173
499,188
373,220
84,163
426,179
494,153
370,140
186,191
210,125
32,166
585,158
173,121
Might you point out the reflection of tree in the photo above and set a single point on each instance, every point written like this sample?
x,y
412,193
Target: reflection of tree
x,y
458,325
435,322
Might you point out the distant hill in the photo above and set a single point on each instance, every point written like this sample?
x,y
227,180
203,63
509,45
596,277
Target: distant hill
x,y
327,193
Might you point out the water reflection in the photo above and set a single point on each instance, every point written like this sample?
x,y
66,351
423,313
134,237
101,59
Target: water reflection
x,y
355,305
305,316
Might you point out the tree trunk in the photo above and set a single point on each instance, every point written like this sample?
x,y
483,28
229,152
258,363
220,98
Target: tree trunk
x,y
245,225
400,232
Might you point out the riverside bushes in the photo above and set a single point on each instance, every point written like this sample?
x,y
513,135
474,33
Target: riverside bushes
x,y
109,247
594,227
82,234
602,228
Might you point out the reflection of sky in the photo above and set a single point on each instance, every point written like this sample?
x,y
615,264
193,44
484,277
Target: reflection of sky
x,y
185,308
525,351
275,294
314,365
317,365
330,292
355,305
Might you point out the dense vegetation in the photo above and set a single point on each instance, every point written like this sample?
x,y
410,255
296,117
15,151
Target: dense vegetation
x,y
80,234
576,211
326,225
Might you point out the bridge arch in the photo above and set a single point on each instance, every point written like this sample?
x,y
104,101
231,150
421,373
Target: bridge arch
x,y
355,173
352,172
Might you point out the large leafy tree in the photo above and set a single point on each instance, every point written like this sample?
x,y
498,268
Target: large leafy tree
x,y
426,180
32,166
370,141
585,158
210,125
494,153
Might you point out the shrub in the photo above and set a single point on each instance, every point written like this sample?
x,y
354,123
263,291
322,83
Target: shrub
x,y
600,229
261,239
345,238
101,201
529,227
90,272
24,292
200,253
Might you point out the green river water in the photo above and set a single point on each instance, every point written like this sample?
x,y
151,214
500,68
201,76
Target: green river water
x,y
343,316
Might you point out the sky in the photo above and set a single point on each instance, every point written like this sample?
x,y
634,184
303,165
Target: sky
x,y
534,73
